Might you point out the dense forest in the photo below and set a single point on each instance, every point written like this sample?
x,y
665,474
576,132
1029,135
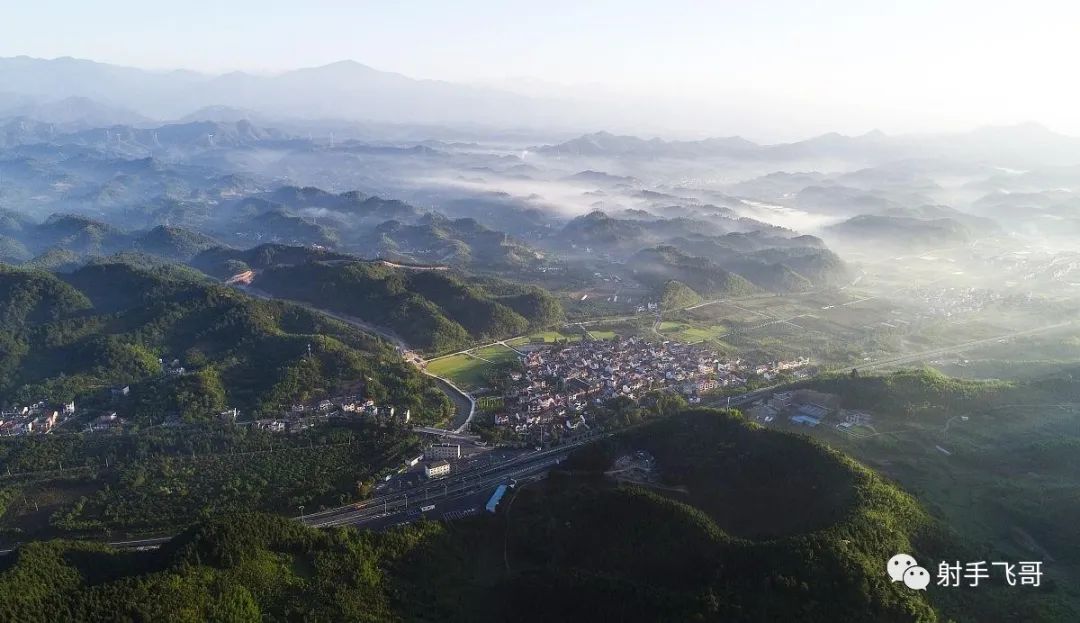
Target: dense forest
x,y
435,311
162,479
655,267
997,461
73,336
575,547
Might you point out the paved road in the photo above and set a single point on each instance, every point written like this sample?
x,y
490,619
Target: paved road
x,y
444,494
959,347
464,403
456,495
149,543
457,485
368,327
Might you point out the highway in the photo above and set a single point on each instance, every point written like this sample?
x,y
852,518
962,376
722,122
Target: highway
x,y
913,357
137,544
462,492
455,486
438,493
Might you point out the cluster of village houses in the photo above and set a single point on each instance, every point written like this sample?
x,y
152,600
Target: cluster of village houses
x,y
36,419
304,416
559,384
42,417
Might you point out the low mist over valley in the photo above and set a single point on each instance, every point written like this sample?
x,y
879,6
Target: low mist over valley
x,y
326,341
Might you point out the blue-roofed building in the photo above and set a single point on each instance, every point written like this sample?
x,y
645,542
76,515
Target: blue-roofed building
x,y
805,419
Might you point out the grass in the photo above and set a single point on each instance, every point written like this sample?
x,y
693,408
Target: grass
x,y
495,354
470,370
691,333
462,370
547,337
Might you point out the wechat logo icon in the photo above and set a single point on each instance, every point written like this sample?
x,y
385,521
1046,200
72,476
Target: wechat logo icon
x,y
903,568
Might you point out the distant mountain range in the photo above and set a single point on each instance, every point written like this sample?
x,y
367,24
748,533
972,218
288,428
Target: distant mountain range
x,y
71,113
342,90
71,94
134,141
607,144
1022,145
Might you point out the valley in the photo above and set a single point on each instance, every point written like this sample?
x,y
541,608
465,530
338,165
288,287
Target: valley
x,y
256,365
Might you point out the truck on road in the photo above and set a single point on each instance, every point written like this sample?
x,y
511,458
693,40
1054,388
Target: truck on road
x,y
493,501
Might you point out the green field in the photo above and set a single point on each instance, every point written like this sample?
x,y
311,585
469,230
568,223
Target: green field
x,y
462,370
691,333
495,354
547,337
470,370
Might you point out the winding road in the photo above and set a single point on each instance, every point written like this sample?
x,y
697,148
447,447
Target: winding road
x,y
464,403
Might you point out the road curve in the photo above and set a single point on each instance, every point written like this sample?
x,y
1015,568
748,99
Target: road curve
x,y
464,403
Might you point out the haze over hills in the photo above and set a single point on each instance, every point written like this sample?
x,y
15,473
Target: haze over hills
x,y
432,310
1020,145
70,92
290,272
347,90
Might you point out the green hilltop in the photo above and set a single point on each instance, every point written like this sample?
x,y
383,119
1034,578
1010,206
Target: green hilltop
x,y
432,310
576,547
72,336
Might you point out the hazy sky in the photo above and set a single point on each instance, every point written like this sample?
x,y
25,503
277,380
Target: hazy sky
x,y
794,66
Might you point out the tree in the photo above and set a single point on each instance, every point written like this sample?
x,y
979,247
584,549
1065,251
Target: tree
x,y
668,403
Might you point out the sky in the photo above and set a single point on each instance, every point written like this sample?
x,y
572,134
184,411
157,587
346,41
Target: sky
x,y
779,66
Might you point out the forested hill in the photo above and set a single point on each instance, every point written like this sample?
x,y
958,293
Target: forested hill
x,y
223,262
435,311
572,548
665,263
74,336
79,237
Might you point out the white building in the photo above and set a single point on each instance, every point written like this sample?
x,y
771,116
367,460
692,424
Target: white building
x,y
438,469
443,451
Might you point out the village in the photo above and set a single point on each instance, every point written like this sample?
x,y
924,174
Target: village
x,y
43,417
302,416
559,386
34,419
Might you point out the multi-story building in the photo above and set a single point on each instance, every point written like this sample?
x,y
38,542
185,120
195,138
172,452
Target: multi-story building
x,y
438,469
443,451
